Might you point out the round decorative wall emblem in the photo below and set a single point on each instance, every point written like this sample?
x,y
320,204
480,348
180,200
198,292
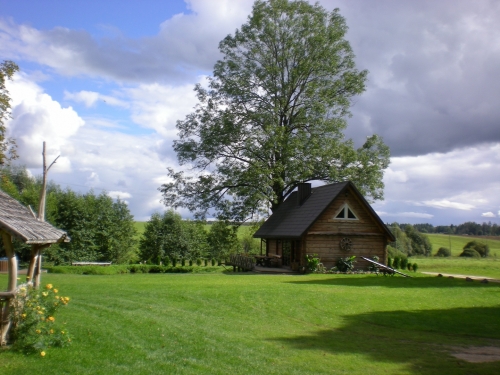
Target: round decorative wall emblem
x,y
345,244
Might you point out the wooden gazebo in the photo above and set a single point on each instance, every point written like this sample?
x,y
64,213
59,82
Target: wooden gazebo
x,y
17,221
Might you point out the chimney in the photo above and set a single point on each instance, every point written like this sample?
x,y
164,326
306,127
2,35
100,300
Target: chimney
x,y
303,192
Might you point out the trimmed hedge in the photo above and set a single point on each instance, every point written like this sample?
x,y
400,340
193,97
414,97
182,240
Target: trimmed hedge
x,y
131,268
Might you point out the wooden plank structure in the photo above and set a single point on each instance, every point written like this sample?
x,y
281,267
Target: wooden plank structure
x,y
17,221
333,221
386,270
242,262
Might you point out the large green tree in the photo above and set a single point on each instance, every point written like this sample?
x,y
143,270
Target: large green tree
x,y
273,116
7,145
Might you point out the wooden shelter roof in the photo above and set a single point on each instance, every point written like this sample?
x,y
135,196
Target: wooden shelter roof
x,y
292,221
19,221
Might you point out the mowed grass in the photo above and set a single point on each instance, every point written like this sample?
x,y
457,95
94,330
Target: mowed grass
x,y
268,324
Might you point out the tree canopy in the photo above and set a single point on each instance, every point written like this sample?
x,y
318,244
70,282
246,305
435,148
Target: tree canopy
x,y
7,146
273,116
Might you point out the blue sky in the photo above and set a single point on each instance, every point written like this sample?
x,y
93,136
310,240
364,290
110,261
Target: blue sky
x,y
104,83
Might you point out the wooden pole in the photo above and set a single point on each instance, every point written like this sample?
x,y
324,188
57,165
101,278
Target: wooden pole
x,y
36,257
33,261
12,267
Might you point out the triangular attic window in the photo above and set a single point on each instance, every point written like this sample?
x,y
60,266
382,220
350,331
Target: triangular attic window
x,y
346,213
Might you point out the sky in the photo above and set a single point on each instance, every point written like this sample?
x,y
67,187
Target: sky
x,y
104,82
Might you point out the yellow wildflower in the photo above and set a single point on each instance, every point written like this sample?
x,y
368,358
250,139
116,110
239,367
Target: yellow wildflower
x,y
23,316
55,290
51,319
51,331
22,289
62,332
40,312
57,297
48,286
42,354
38,331
45,294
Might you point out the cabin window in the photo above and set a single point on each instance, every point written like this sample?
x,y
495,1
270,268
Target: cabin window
x,y
346,213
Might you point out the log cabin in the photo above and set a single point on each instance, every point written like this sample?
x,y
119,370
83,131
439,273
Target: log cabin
x,y
333,221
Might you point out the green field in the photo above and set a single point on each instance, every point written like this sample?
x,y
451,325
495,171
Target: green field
x,y
268,324
458,242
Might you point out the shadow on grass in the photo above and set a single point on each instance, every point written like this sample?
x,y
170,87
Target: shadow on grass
x,y
422,341
395,282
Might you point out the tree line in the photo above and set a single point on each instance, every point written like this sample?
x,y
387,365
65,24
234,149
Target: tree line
x,y
169,239
100,228
409,241
103,229
468,228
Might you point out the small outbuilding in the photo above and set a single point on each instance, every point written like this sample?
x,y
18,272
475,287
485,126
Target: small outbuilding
x,y
17,221
333,221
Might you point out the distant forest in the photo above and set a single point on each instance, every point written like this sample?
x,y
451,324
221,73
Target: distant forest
x,y
469,228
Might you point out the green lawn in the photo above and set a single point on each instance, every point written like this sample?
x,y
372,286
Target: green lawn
x,y
268,324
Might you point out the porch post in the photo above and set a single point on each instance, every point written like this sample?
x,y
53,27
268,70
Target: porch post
x,y
12,266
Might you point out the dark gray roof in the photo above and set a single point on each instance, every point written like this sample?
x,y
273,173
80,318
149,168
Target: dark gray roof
x,y
292,221
18,220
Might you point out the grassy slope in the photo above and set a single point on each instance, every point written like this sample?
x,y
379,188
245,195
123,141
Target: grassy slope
x,y
458,243
247,324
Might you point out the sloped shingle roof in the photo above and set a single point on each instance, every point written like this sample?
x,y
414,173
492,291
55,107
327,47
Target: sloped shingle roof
x,y
17,220
292,221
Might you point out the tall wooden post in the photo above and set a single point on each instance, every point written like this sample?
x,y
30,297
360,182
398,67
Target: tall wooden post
x,y
36,253
12,267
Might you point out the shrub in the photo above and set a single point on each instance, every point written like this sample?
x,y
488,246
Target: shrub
x,y
389,262
409,266
396,262
213,261
478,246
190,262
415,267
183,262
346,264
373,267
167,261
470,253
33,317
174,262
404,263
443,252
312,261
198,262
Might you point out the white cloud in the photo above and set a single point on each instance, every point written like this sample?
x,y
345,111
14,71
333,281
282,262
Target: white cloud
x,y
443,203
90,98
119,194
488,214
420,215
36,117
186,44
158,107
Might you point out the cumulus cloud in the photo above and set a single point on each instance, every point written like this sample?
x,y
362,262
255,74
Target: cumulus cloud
x,y
488,214
185,45
433,72
36,117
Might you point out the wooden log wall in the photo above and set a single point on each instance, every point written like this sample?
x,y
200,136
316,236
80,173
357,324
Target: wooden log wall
x,y
367,236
